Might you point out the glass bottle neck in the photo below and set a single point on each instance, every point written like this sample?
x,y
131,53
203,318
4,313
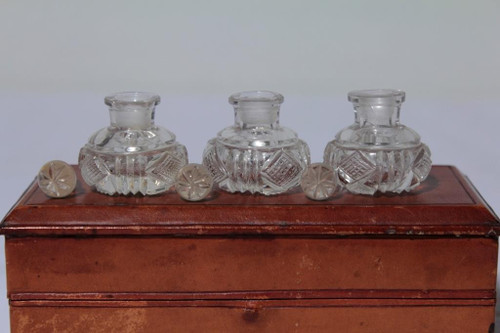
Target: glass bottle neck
x,y
377,115
131,117
132,110
377,107
256,114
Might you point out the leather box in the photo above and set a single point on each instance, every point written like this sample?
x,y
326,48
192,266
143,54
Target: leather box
x,y
423,261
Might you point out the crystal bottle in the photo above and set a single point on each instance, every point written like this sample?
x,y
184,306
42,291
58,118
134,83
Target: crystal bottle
x,y
132,155
256,154
377,152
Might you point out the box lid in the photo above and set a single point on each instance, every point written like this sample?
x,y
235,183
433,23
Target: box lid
x,y
445,204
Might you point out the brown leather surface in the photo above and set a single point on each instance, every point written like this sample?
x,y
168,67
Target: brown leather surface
x,y
359,319
445,204
423,261
155,264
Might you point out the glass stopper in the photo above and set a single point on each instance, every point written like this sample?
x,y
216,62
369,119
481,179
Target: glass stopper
x,y
57,179
193,182
318,182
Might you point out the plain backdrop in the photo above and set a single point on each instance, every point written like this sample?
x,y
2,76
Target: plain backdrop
x,y
58,59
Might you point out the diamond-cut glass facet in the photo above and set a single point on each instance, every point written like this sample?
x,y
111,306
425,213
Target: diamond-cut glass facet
x,y
356,166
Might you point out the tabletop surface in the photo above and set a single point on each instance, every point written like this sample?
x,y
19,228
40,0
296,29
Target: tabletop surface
x,y
444,204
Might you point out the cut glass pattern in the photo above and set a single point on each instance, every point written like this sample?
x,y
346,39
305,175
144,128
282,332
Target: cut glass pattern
x,y
256,155
377,153
132,155
281,169
355,166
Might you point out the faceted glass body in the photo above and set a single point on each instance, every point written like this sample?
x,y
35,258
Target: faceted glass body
x,y
377,153
256,154
132,155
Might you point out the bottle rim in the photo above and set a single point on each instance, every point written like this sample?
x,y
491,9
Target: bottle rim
x,y
377,96
256,96
132,97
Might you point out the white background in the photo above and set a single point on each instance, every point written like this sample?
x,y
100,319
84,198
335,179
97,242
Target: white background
x,y
58,59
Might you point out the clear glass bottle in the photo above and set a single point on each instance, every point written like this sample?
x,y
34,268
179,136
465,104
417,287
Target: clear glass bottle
x,y
256,154
377,152
132,155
